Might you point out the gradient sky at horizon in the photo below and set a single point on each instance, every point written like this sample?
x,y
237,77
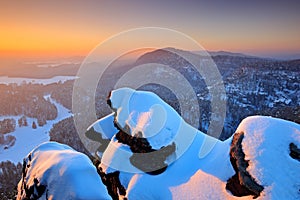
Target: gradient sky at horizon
x,y
69,28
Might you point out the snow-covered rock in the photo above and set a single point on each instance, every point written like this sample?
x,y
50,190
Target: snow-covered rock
x,y
144,116
56,171
261,160
268,144
265,142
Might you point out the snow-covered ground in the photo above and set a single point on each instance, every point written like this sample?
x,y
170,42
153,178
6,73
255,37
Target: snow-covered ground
x,y
28,138
8,80
203,186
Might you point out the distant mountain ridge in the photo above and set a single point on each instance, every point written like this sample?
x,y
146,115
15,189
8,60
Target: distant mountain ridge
x,y
227,53
69,66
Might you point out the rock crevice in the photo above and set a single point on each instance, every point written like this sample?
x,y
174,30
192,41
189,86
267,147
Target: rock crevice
x,y
112,182
144,157
242,183
294,152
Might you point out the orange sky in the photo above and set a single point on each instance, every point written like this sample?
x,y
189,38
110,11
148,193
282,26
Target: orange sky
x,y
55,28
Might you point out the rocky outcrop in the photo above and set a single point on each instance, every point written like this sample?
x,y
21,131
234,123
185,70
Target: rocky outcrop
x,y
294,152
27,191
242,183
112,182
35,191
144,157
56,171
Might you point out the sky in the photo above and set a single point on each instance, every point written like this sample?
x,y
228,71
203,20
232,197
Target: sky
x,y
74,28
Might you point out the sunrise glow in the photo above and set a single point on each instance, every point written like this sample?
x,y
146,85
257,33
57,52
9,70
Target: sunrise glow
x,y
35,28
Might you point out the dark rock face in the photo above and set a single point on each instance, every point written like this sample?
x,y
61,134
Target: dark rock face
x,y
136,144
144,157
32,192
242,183
294,152
112,182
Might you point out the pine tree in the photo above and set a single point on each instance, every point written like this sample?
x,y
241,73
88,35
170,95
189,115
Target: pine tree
x,y
34,125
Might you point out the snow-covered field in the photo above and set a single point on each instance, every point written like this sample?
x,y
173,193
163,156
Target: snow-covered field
x,y
28,138
8,80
